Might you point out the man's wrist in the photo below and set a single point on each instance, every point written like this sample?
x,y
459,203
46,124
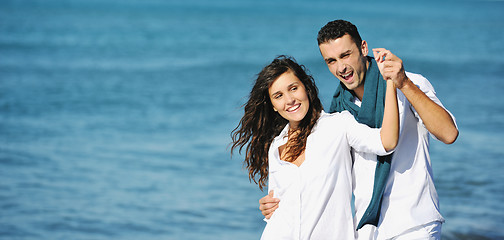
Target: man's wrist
x,y
406,84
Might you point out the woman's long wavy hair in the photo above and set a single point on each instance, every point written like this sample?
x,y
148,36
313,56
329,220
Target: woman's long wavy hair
x,y
261,124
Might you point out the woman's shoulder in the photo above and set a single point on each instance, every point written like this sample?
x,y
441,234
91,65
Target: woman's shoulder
x,y
281,135
331,126
336,116
334,120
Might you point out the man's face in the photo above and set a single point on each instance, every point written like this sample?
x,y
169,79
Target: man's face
x,y
346,61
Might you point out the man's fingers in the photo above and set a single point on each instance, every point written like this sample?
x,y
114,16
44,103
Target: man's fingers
x,y
390,66
266,206
269,199
270,209
267,213
380,54
379,49
271,193
377,55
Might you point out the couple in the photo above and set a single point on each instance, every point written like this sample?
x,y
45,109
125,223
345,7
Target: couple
x,y
306,154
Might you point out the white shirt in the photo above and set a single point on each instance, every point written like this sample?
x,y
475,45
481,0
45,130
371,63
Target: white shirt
x,y
410,198
315,198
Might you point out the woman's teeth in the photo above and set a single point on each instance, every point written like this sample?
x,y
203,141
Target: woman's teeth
x,y
293,108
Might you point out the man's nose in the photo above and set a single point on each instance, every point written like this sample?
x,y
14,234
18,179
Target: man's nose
x,y
342,68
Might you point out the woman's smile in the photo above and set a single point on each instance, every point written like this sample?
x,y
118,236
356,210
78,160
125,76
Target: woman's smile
x,y
294,108
288,97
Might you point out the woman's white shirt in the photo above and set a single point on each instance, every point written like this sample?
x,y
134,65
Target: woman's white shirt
x,y
315,198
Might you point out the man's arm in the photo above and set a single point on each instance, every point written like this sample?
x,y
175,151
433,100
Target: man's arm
x,y
435,118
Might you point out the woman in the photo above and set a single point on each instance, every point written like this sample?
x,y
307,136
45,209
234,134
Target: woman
x,y
305,153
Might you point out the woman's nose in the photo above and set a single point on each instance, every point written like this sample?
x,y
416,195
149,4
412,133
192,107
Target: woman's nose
x,y
289,99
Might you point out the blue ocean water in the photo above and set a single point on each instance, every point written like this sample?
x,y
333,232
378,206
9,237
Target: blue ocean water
x,y
115,115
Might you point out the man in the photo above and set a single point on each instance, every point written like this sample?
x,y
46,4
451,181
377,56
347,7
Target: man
x,y
406,207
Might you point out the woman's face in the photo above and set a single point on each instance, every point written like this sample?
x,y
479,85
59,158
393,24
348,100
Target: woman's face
x,y
289,98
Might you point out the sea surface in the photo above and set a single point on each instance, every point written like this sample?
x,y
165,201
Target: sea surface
x,y
115,115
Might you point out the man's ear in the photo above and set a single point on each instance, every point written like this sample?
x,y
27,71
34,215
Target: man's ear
x,y
364,48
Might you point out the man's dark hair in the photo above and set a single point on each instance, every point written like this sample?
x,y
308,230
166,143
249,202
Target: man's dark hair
x,y
336,29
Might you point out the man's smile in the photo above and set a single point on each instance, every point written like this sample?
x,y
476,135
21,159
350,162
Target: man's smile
x,y
348,76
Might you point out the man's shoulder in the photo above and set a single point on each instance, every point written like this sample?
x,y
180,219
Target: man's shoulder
x,y
416,77
420,81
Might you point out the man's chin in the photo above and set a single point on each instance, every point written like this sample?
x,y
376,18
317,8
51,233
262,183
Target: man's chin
x,y
349,86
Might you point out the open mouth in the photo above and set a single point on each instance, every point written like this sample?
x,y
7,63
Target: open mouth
x,y
348,76
294,108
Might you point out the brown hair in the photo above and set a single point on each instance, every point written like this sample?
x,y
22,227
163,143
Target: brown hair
x,y
260,124
336,29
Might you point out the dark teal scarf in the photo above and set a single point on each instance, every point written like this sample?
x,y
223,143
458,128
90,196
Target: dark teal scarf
x,y
371,114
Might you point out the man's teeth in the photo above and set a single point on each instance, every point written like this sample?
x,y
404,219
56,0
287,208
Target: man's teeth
x,y
346,75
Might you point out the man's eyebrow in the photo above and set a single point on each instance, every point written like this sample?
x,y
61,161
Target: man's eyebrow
x,y
329,59
346,52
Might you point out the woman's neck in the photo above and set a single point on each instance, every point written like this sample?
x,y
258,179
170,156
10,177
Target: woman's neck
x,y
284,150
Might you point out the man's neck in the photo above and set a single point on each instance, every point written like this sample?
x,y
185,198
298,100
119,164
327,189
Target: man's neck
x,y
359,91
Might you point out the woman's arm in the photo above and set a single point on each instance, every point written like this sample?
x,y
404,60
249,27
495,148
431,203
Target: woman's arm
x,y
389,132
